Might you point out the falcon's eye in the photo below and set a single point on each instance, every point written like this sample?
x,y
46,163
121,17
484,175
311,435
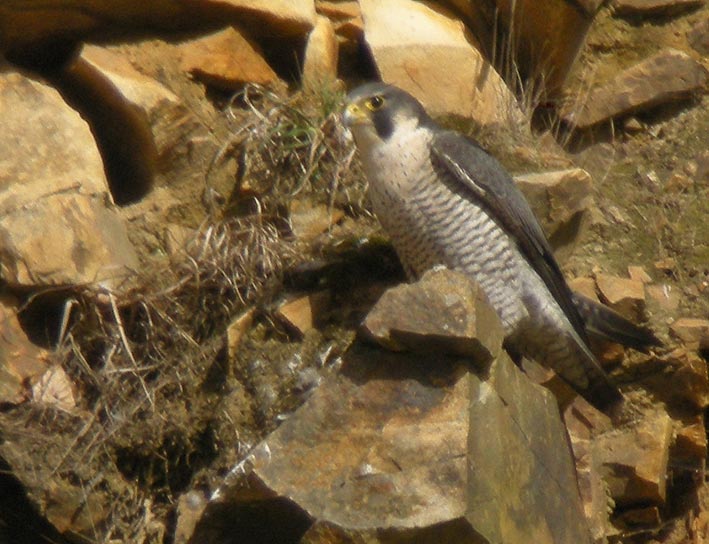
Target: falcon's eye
x,y
375,102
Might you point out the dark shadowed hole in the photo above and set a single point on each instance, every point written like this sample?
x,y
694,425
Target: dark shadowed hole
x,y
40,316
259,522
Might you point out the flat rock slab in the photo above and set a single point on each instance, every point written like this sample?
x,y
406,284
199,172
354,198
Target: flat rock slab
x,y
445,312
408,448
666,77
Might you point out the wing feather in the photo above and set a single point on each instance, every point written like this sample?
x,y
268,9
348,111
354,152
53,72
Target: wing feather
x,y
478,175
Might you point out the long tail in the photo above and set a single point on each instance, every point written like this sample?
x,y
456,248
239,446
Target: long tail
x,y
603,323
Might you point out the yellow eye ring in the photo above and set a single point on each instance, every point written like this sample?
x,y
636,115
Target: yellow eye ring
x,y
375,102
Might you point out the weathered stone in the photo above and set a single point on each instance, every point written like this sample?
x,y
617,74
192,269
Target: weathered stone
x,y
585,286
683,382
416,45
403,447
638,273
689,450
300,314
445,312
634,460
338,11
321,56
308,220
25,25
624,295
562,202
641,517
698,36
547,35
666,77
51,175
227,60
21,362
667,265
654,7
235,331
689,329
55,388
665,295
190,506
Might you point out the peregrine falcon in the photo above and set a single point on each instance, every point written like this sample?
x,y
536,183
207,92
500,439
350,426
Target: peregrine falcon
x,y
443,200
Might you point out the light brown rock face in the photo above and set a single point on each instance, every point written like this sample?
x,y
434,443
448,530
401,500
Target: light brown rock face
x,y
547,34
26,23
626,296
412,448
562,202
441,313
321,54
55,226
226,59
668,76
426,50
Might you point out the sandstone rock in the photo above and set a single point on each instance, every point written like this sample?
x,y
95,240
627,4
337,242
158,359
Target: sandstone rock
x,y
654,7
665,295
308,220
25,25
444,312
634,460
562,202
321,56
416,45
55,388
21,362
338,11
412,447
235,331
624,295
51,175
300,314
689,329
698,36
638,273
689,451
683,382
190,506
585,286
226,59
547,35
666,77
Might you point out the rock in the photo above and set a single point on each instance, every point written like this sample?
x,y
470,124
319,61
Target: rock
x,y
416,46
55,388
26,26
624,295
235,331
667,265
547,35
444,312
51,174
638,273
632,125
226,59
190,507
321,56
562,201
689,330
338,11
665,295
21,362
666,77
585,286
683,381
641,517
308,220
300,314
689,450
411,446
654,7
634,460
698,36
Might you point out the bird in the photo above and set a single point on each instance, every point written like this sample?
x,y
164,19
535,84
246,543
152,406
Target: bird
x,y
445,201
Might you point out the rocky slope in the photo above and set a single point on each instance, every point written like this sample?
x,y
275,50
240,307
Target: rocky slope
x,y
201,337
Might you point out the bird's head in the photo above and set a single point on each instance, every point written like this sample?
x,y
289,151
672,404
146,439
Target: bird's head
x,y
374,112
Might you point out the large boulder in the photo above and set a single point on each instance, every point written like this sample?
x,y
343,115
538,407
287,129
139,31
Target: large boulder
x,y
55,224
419,45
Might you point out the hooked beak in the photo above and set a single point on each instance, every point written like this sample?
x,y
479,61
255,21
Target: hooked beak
x,y
354,115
